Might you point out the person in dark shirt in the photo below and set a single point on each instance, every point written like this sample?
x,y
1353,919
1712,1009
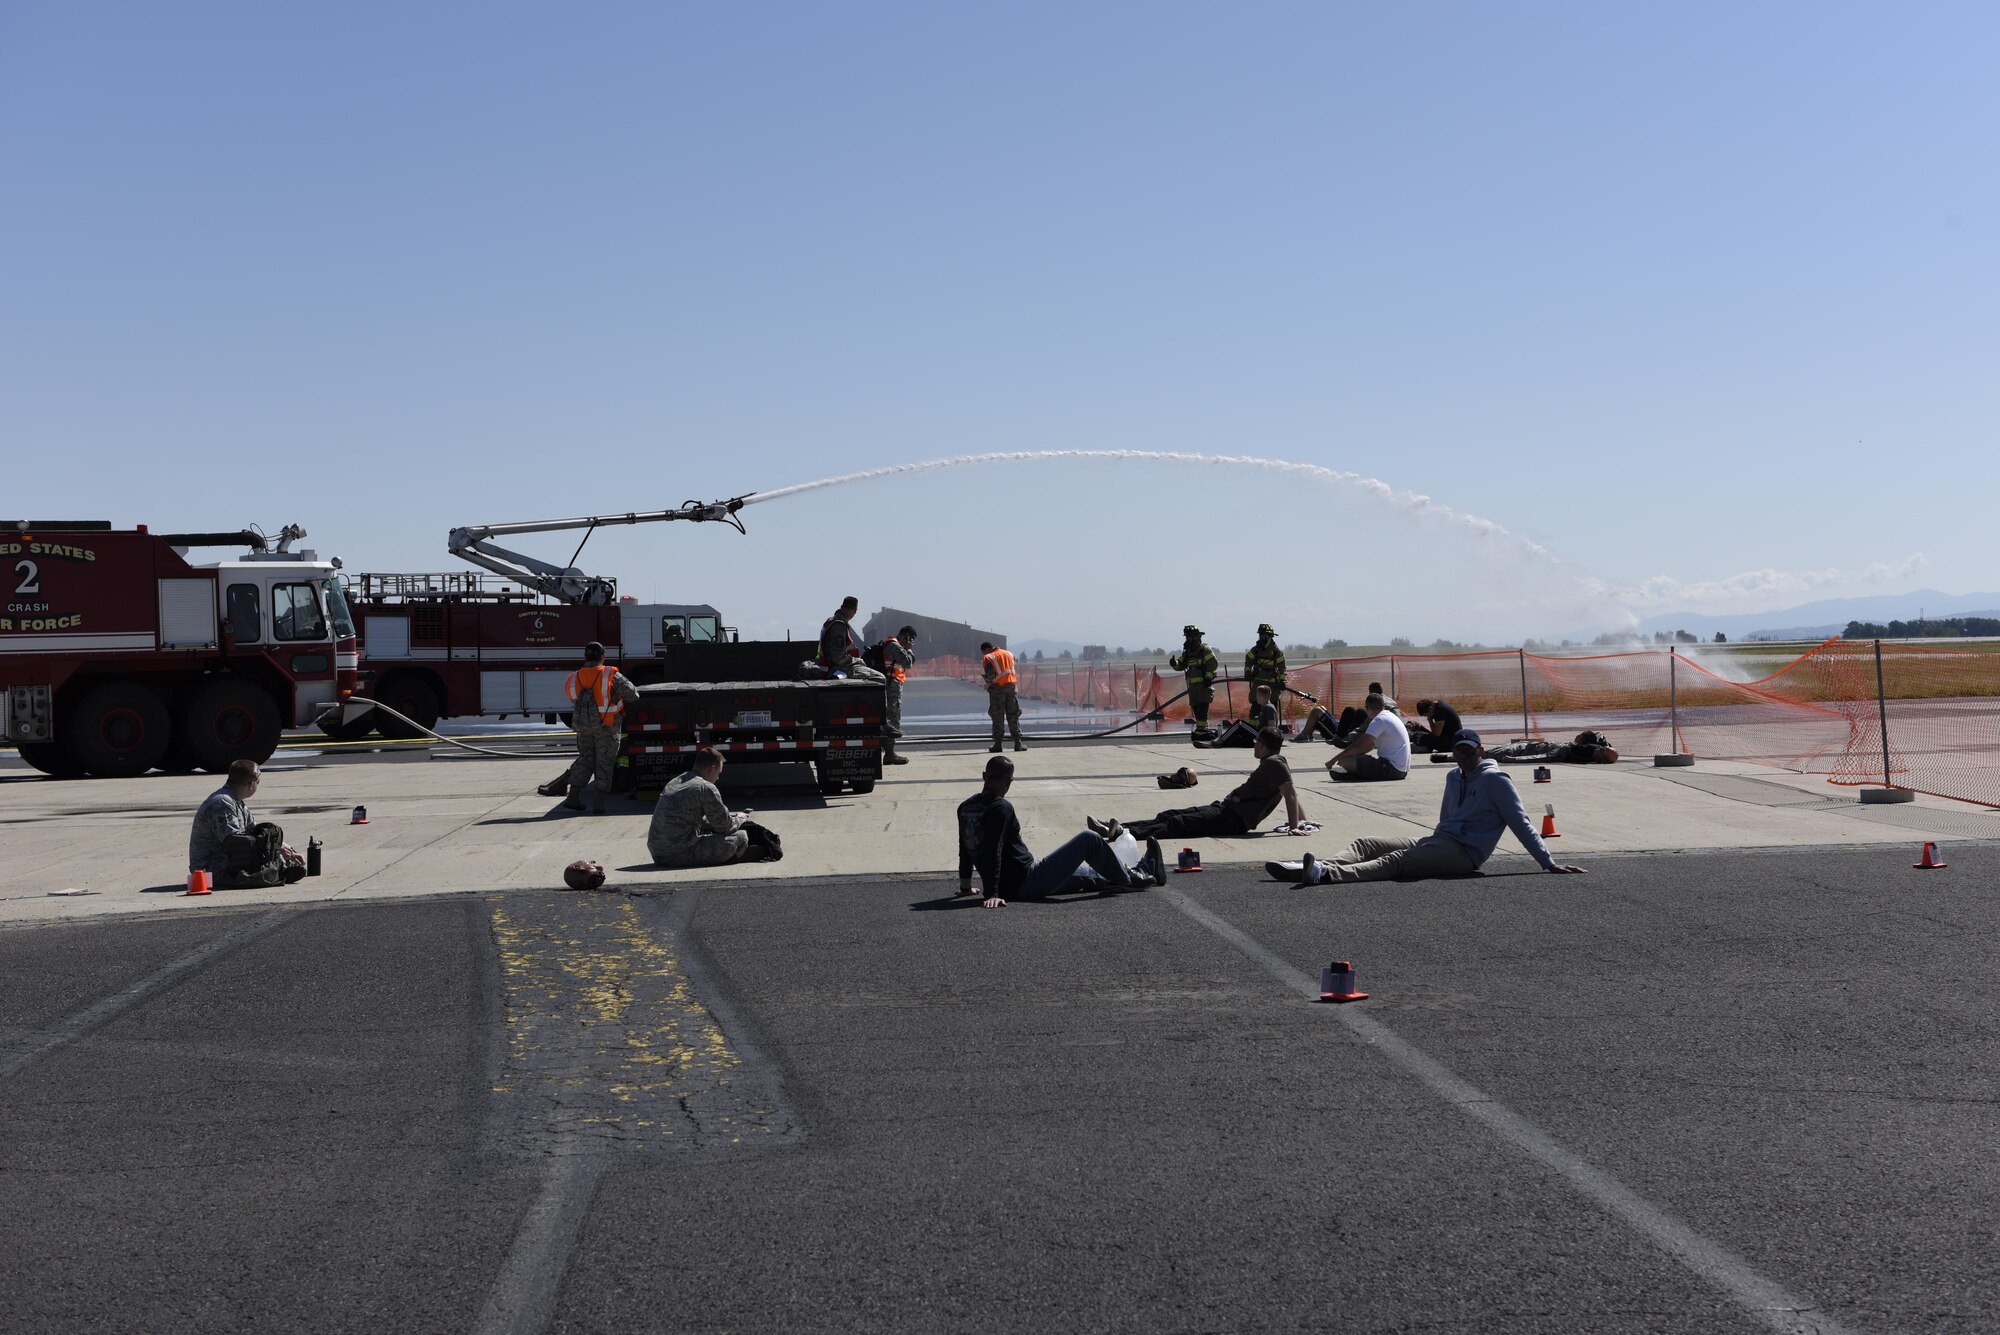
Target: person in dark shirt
x,y
1554,753
1339,729
1441,724
1263,714
1243,732
1238,814
989,843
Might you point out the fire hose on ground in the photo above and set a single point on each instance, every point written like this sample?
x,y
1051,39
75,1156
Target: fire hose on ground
x,y
1155,715
423,732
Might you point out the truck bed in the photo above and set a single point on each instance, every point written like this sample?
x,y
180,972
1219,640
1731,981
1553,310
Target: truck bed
x,y
838,725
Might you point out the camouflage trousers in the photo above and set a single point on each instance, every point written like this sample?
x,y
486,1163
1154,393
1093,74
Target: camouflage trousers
x,y
596,753
892,715
1003,706
708,850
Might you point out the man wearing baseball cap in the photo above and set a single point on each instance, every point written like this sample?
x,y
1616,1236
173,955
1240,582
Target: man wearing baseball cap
x,y
1479,802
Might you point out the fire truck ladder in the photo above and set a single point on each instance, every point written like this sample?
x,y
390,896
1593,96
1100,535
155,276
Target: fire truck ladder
x,y
568,584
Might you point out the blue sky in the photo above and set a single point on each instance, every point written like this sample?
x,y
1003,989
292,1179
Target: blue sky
x,y
1700,297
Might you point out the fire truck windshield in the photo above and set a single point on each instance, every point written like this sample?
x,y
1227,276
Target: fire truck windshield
x,y
336,608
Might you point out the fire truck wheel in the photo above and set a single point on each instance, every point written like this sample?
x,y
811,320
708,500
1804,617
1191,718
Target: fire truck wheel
x,y
230,719
117,730
413,698
51,760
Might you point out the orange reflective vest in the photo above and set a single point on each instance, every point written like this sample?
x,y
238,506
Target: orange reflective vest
x,y
895,668
1002,664
597,682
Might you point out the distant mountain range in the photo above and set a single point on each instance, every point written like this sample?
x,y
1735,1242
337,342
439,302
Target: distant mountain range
x,y
1829,616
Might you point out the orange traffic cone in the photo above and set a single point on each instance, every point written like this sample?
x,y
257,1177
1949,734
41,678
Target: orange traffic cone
x,y
198,883
1336,983
1549,822
1930,862
360,816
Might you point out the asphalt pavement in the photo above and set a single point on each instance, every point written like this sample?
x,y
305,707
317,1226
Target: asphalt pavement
x,y
1682,1093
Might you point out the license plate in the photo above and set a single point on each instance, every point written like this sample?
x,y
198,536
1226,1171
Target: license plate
x,y
754,718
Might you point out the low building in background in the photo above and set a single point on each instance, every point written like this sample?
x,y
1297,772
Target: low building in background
x,y
935,636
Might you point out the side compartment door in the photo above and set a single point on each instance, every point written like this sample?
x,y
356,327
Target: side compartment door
x,y
386,637
636,636
187,614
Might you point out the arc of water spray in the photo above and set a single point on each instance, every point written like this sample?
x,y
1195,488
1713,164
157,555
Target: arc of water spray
x,y
1422,507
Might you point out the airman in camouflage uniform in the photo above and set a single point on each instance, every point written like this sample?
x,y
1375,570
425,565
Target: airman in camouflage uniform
x,y
898,654
600,695
692,826
838,651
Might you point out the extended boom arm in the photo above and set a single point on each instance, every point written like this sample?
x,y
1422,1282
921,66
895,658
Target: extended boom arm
x,y
567,583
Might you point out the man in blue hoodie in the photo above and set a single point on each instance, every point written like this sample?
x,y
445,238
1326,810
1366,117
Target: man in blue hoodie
x,y
1479,802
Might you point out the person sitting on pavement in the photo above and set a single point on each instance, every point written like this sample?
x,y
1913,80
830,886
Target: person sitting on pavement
x,y
692,826
1480,801
1441,724
1340,729
229,843
1236,815
1381,752
1589,748
989,842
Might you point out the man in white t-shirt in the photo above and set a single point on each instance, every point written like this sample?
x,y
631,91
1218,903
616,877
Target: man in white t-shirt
x,y
1382,751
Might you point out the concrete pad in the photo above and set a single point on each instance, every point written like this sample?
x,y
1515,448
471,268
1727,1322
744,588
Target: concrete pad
x,y
459,824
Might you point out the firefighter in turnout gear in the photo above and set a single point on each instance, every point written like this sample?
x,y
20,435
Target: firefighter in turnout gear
x,y
599,694
1197,662
898,656
1264,665
1003,695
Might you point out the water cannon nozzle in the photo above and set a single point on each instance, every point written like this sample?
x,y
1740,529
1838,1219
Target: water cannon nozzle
x,y
717,511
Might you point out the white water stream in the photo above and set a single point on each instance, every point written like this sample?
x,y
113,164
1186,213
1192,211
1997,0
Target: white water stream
x,y
1419,506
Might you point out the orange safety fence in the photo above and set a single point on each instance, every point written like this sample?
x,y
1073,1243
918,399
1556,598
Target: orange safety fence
x,y
1126,690
1816,712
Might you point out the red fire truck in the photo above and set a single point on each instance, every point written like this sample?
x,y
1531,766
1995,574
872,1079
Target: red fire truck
x,y
118,655
462,644
454,645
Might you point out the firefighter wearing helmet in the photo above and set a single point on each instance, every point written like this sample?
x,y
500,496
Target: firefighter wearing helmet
x,y
1197,662
1264,665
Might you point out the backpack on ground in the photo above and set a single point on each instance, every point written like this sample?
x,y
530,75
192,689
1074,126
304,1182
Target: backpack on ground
x,y
255,857
765,845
